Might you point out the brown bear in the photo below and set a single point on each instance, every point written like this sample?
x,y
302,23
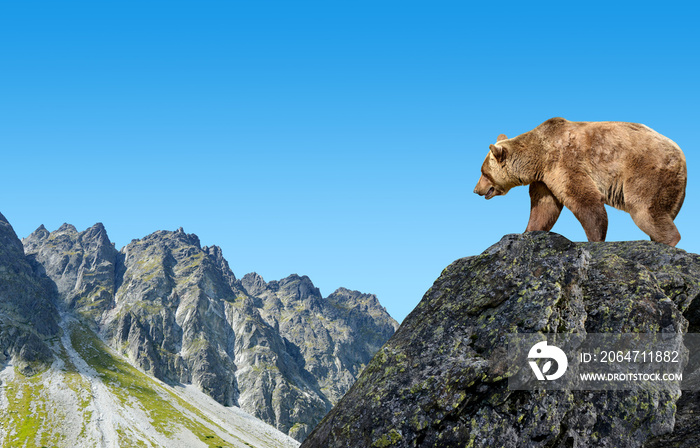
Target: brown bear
x,y
583,165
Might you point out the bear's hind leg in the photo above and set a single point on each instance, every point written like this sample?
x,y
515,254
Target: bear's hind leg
x,y
544,208
592,216
659,227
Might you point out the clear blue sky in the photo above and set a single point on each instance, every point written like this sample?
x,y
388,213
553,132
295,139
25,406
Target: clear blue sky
x,y
337,139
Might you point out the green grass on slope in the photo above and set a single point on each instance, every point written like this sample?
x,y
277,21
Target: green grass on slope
x,y
25,416
164,408
31,419
54,408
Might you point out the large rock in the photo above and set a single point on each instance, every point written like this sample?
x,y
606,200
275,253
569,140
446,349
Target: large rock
x,y
441,381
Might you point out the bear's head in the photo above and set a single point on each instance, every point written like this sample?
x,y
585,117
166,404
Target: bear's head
x,y
495,177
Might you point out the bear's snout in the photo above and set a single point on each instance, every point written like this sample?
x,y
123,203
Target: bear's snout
x,y
484,188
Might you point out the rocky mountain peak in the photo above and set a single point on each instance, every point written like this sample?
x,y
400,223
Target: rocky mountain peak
x,y
189,238
10,245
295,287
347,298
254,283
97,232
81,264
68,228
28,315
170,238
40,233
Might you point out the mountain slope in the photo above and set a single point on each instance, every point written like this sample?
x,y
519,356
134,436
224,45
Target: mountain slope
x,y
90,397
28,315
61,385
175,309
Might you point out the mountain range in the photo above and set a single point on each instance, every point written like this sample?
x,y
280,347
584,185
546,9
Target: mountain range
x,y
160,343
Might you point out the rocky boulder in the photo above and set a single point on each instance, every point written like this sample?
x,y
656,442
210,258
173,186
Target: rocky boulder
x,y
441,381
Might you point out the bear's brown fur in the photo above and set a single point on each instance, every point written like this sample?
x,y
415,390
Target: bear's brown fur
x,y
583,165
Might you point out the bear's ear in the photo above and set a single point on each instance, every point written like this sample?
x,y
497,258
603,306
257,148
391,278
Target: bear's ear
x,y
501,137
499,152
